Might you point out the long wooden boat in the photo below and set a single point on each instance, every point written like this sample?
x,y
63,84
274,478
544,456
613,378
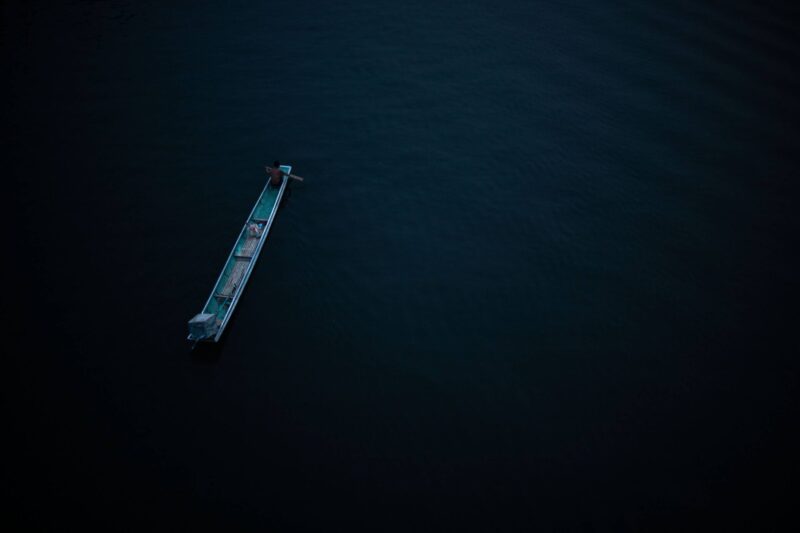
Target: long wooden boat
x,y
209,324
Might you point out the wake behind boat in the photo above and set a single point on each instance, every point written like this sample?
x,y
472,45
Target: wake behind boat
x,y
209,324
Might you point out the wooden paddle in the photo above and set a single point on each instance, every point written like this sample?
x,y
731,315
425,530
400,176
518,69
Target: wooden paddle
x,y
298,178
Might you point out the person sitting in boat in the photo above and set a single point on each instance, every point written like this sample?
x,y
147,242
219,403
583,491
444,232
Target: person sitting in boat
x,y
276,174
255,229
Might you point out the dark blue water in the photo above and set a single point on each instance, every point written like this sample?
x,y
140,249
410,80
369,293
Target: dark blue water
x,y
540,275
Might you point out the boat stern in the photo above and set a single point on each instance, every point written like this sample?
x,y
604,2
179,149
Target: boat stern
x,y
202,326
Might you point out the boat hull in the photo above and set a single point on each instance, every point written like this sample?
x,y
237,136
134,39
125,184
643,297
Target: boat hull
x,y
242,259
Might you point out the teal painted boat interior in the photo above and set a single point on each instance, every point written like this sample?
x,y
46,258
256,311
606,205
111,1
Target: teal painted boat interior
x,y
222,300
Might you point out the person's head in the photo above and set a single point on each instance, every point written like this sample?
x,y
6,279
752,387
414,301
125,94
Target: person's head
x,y
276,164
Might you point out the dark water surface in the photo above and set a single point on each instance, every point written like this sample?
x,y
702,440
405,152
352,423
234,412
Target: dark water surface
x,y
539,276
